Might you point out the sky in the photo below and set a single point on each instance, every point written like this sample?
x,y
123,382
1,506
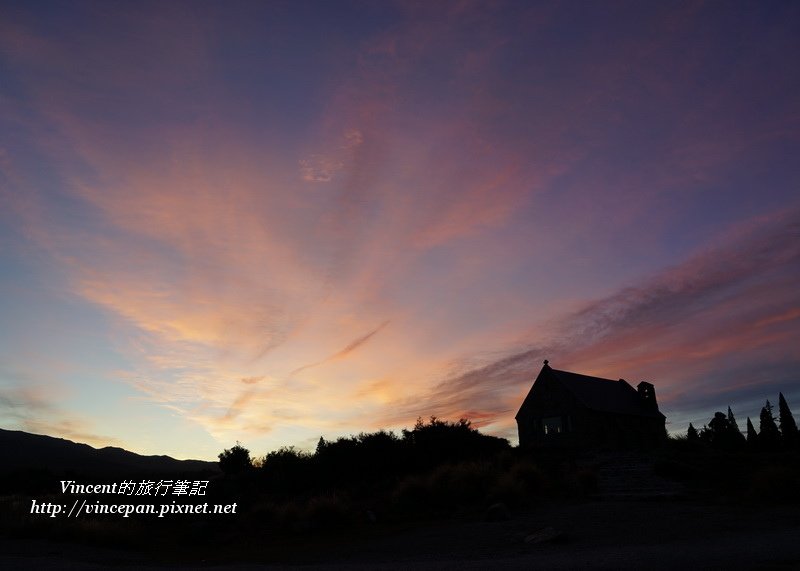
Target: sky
x,y
268,222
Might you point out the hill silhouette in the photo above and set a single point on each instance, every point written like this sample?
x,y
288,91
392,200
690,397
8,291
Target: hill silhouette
x,y
23,452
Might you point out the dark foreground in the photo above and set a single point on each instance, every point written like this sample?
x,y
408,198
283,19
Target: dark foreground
x,y
582,535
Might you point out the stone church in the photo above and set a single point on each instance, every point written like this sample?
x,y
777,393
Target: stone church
x,y
574,410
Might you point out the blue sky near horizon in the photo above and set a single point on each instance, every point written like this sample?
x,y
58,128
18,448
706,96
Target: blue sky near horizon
x,y
268,222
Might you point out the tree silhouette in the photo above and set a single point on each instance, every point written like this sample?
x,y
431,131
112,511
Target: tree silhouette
x,y
718,427
768,434
235,460
441,441
737,436
706,435
691,434
788,424
288,470
723,434
752,435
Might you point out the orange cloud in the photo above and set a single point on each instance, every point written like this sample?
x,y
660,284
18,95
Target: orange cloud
x,y
789,315
352,346
713,309
33,408
465,214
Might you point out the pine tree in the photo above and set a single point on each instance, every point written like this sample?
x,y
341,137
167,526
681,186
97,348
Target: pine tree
x,y
736,434
691,434
768,434
788,425
752,436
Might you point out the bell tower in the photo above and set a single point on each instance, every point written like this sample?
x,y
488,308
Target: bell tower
x,y
647,394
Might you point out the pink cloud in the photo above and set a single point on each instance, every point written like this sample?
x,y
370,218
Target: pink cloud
x,y
469,189
724,305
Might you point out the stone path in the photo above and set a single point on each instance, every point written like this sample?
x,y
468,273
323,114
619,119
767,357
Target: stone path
x,y
632,477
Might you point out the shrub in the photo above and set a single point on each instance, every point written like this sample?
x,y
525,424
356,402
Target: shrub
x,y
775,484
235,460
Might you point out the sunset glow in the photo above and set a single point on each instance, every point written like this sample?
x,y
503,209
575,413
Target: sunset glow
x,y
270,222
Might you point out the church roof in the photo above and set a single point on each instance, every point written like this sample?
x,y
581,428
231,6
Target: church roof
x,y
596,393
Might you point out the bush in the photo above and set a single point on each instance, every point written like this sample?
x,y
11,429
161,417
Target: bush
x,y
235,460
775,484
287,470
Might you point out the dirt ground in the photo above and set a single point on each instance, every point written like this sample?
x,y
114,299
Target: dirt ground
x,y
583,535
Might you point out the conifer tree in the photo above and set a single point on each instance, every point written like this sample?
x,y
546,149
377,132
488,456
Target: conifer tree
x,y
788,425
768,434
752,435
736,434
691,434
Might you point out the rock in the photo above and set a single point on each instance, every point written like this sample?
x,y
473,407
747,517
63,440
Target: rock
x,y
497,512
544,535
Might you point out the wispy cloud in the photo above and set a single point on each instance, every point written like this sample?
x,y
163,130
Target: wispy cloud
x,y
725,304
347,350
488,184
32,408
319,168
324,167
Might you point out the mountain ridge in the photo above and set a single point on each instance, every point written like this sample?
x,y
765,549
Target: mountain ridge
x,y
25,451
